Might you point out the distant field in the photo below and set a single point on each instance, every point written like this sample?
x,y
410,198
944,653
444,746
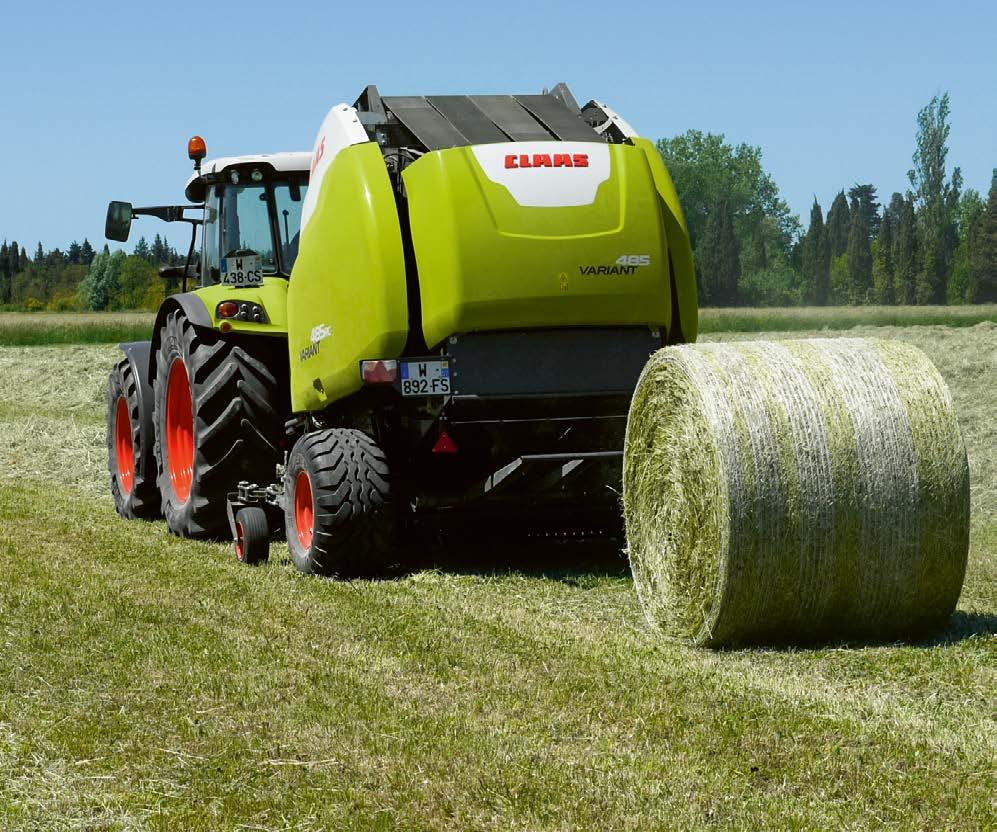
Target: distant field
x,y
26,329
793,319
38,328
151,682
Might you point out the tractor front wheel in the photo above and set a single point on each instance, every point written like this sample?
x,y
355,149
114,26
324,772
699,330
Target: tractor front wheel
x,y
339,515
218,417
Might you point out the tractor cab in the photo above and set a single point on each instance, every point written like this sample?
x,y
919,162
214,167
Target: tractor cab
x,y
252,214
250,210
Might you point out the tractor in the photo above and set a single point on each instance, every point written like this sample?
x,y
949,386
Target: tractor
x,y
436,316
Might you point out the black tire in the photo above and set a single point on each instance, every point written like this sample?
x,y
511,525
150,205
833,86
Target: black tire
x,y
252,541
353,517
130,459
236,420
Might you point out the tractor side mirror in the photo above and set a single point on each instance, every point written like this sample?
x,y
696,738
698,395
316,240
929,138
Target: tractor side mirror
x,y
119,221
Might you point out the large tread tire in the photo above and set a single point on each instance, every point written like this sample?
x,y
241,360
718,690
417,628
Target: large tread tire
x,y
238,420
351,508
133,475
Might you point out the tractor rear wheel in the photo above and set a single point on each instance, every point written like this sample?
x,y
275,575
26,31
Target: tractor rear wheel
x,y
218,417
339,515
130,459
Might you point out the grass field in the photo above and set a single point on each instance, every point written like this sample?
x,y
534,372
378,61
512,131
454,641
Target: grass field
x,y
153,683
47,328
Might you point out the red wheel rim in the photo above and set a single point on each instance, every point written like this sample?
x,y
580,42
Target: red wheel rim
x,y
240,541
304,510
179,431
124,452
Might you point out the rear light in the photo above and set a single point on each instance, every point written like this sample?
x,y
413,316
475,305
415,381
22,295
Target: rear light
x,y
444,445
379,372
242,310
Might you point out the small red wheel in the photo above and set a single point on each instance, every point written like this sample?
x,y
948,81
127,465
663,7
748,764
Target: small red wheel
x,y
252,536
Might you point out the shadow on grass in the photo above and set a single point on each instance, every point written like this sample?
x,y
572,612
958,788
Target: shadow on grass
x,y
492,552
962,626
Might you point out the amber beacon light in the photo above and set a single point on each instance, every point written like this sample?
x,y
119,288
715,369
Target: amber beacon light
x,y
196,150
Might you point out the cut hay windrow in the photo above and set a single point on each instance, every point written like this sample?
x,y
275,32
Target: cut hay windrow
x,y
794,492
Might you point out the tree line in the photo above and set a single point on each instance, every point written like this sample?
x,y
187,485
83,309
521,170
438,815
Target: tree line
x,y
82,279
933,244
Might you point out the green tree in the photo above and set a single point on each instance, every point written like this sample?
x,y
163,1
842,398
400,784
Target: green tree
x,y
983,262
16,258
859,259
883,270
865,201
962,286
706,170
4,273
86,253
134,280
142,249
102,283
906,251
839,223
841,281
718,255
937,200
816,259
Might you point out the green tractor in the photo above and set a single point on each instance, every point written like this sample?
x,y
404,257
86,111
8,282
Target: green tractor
x,y
437,316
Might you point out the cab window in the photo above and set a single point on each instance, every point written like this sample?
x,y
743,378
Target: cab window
x,y
289,197
210,259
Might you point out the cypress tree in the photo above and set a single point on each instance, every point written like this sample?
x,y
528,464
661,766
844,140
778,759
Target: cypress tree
x,y
859,259
816,259
4,273
39,254
838,225
906,254
16,258
883,278
983,261
864,200
719,256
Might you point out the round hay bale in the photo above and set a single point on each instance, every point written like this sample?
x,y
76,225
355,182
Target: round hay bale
x,y
795,492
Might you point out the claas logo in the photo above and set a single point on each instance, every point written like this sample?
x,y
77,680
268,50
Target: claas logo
x,y
547,160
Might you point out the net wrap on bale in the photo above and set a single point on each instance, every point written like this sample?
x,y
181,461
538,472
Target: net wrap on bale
x,y
795,491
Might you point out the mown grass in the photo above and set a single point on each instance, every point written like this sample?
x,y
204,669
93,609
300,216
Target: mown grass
x,y
41,328
153,683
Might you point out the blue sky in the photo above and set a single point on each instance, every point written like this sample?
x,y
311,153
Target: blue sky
x,y
98,100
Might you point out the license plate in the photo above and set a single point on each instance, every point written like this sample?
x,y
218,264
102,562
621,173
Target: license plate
x,y
242,270
424,378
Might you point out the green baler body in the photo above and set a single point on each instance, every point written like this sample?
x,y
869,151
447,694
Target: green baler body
x,y
484,260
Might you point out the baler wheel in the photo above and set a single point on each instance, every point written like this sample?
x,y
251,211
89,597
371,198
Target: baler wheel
x,y
218,416
130,460
252,536
339,515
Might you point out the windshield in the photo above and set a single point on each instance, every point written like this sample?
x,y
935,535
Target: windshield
x,y
246,223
